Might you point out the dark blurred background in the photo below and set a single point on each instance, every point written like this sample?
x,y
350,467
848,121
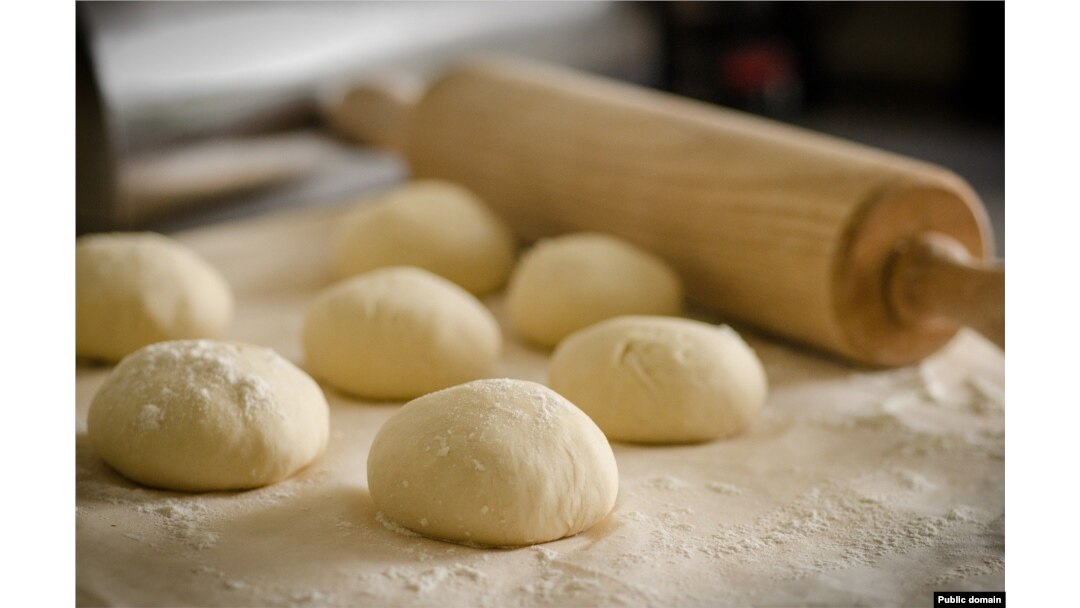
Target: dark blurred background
x,y
191,113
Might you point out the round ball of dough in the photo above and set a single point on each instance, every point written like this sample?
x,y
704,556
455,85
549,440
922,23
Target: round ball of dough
x,y
567,283
139,288
198,415
660,380
434,225
400,332
493,462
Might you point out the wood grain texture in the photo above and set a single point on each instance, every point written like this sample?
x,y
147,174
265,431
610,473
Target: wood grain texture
x,y
933,281
769,224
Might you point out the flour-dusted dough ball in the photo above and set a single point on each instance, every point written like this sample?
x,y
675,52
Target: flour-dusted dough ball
x,y
434,225
660,380
399,332
199,415
134,289
493,462
567,283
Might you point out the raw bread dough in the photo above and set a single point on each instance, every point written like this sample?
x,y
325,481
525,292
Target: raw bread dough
x,y
399,332
825,486
435,225
493,462
199,415
660,380
135,289
567,283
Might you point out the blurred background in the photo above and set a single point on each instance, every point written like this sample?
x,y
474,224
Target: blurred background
x,y
193,113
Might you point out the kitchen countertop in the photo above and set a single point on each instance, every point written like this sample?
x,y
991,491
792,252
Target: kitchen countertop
x,y
853,487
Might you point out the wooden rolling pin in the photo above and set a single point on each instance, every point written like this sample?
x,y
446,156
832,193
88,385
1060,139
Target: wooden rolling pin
x,y
867,254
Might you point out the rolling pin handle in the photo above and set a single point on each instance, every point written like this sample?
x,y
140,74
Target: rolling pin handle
x,y
933,280
374,112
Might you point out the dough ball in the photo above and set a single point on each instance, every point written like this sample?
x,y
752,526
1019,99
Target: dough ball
x,y
493,462
198,415
567,283
399,332
660,380
139,288
434,225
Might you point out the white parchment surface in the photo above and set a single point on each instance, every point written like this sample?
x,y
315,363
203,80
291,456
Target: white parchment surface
x,y
853,487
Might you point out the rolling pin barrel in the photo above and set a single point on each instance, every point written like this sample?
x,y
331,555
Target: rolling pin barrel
x,y
778,227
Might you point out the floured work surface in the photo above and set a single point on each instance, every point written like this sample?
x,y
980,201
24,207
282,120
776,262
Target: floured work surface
x,y
852,487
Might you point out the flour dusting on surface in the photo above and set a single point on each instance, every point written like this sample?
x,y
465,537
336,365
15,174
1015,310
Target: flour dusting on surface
x,y
393,526
170,374
890,477
724,488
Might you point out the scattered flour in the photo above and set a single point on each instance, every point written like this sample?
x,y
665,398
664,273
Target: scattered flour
x,y
955,577
986,397
664,482
558,587
914,481
184,520
565,583
724,488
311,597
882,421
198,360
428,580
669,536
989,445
653,552
962,513
828,528
973,394
393,526
932,388
150,417
544,554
